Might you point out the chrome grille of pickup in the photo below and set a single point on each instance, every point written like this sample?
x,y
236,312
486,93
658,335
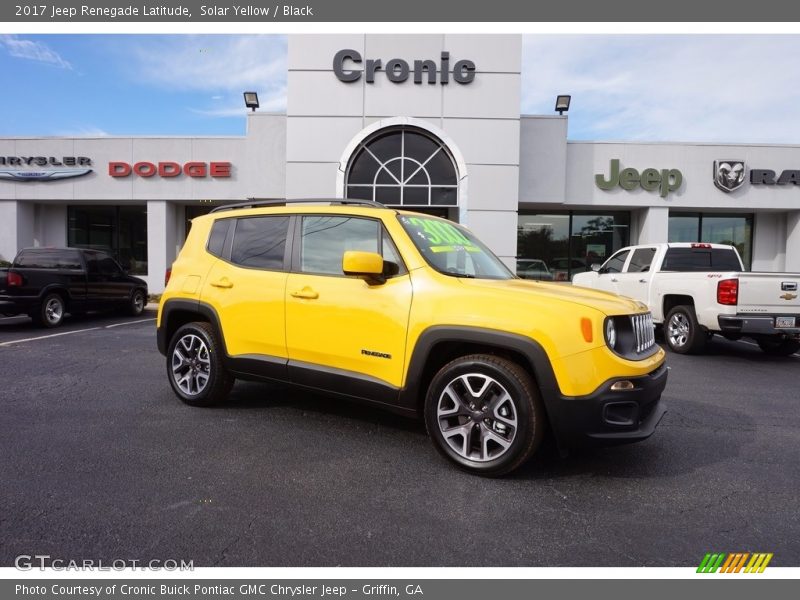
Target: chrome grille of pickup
x,y
643,331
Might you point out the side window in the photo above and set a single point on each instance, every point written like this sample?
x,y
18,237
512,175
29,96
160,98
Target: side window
x,y
326,239
260,242
92,266
107,265
216,239
641,260
48,259
615,263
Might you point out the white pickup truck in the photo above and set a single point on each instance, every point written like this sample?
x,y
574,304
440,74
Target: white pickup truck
x,y
698,290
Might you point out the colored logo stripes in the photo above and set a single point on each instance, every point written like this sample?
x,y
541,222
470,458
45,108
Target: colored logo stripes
x,y
734,562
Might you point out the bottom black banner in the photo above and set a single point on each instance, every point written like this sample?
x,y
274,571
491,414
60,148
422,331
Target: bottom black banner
x,y
366,589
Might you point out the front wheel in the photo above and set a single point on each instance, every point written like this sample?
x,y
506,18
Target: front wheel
x,y
682,332
485,414
136,303
195,368
778,347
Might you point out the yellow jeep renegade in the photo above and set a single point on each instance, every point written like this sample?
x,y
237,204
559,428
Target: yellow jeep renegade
x,y
412,313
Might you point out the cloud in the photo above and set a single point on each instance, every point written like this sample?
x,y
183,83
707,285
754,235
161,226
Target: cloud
x,y
89,132
222,65
31,50
713,88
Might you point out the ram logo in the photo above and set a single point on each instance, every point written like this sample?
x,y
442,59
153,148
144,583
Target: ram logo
x,y
729,174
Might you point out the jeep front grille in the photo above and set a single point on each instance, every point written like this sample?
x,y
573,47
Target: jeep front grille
x,y
643,331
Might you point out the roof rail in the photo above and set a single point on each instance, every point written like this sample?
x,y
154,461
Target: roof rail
x,y
254,203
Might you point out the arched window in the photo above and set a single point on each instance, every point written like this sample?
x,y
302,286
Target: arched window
x,y
402,167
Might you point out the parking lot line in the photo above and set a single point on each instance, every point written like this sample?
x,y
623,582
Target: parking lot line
x,y
43,337
52,335
128,323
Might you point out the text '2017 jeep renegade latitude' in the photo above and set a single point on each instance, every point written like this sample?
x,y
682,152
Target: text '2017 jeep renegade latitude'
x,y
413,313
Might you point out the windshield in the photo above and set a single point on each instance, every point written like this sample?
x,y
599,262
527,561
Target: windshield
x,y
453,250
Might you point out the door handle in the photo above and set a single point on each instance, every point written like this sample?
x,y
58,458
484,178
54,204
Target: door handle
x,y
643,281
614,279
222,283
306,293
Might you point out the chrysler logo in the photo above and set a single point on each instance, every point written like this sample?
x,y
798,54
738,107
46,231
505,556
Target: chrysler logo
x,y
728,174
41,175
788,296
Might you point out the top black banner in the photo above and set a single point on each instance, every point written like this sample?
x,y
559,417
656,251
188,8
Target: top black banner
x,y
464,11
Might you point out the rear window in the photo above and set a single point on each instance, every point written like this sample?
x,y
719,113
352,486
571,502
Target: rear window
x,y
49,259
701,259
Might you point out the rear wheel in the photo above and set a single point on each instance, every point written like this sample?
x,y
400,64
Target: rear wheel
x,y
195,368
484,413
50,313
682,332
778,347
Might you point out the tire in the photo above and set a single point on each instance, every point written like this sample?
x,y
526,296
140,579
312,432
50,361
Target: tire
x,y
50,313
682,332
136,303
778,347
508,415
194,366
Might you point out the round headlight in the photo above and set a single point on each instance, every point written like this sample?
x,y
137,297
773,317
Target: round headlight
x,y
611,333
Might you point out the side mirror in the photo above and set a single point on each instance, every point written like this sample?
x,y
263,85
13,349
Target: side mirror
x,y
596,267
368,265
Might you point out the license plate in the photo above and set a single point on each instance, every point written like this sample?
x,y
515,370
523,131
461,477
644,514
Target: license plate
x,y
782,322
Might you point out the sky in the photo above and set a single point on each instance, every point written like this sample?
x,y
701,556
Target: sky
x,y
700,88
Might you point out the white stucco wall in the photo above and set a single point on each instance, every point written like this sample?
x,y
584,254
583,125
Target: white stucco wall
x,y
480,119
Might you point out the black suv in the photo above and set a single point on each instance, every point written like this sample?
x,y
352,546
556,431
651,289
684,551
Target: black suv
x,y
46,283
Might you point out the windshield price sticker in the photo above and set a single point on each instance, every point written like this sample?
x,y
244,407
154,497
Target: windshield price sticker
x,y
440,236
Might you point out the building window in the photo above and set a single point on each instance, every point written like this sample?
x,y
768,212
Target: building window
x,y
119,230
555,246
403,167
734,230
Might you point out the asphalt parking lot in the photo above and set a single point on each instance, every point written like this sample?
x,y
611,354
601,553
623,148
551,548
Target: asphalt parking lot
x,y
100,460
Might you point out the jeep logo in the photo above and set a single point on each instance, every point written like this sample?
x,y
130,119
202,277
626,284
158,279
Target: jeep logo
x,y
665,180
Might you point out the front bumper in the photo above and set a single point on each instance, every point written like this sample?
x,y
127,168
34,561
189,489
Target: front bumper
x,y
756,324
609,417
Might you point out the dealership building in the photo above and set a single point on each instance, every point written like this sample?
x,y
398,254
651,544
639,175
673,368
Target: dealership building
x,y
426,122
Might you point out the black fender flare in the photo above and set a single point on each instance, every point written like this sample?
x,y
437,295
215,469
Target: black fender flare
x,y
530,349
192,306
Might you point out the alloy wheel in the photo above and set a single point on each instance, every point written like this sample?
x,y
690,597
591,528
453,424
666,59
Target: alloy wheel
x,y
477,417
678,330
191,364
138,302
54,311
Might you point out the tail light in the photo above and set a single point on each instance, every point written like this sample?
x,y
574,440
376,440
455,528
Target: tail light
x,y
728,291
13,279
167,275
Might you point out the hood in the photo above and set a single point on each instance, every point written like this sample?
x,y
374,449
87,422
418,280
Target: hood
x,y
606,302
